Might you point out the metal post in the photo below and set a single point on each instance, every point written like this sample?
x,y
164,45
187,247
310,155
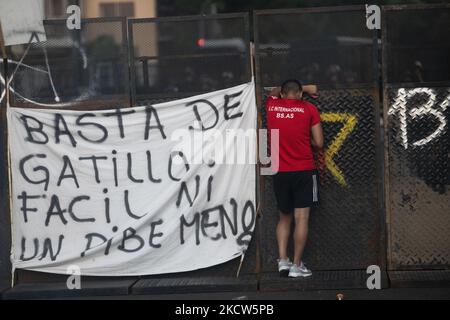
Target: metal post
x,y
145,72
4,137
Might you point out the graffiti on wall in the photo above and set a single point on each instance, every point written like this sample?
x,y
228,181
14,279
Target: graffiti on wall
x,y
419,122
349,122
347,127
428,108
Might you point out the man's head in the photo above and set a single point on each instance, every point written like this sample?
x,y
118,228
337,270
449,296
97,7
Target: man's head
x,y
291,89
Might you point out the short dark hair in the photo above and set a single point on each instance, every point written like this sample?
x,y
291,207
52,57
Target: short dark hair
x,y
291,86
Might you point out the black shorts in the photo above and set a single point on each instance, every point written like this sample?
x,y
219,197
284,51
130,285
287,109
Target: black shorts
x,y
296,189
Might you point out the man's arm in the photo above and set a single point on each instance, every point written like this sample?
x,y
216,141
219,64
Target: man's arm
x,y
310,89
317,136
275,92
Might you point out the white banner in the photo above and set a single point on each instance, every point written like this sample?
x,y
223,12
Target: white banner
x,y
134,191
22,21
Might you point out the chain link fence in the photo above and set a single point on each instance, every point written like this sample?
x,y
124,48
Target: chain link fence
x,y
85,67
183,56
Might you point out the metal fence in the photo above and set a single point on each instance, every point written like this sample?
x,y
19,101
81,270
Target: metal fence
x,y
416,74
183,56
114,62
163,59
5,225
2,84
334,49
176,57
73,68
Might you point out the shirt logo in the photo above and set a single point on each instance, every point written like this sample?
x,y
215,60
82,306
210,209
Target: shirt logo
x,y
284,109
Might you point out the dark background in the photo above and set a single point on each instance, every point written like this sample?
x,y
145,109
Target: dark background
x,y
183,7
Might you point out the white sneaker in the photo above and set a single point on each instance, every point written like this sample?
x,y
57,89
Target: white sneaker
x,y
299,271
284,265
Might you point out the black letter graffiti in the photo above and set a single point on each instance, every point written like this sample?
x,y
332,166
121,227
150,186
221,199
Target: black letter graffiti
x,y
130,169
195,222
63,175
209,192
72,214
155,235
94,164
247,228
149,111
59,119
128,209
226,107
119,113
97,125
184,189
23,247
55,210
30,130
186,164
205,224
89,246
48,248
149,169
232,224
106,201
197,113
46,180
130,234
24,208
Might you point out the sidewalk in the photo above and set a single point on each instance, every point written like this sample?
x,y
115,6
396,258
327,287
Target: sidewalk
x,y
357,294
426,284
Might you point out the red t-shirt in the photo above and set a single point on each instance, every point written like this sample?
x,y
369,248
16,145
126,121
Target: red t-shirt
x,y
294,119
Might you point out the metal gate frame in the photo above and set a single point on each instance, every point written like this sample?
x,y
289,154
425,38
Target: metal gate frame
x,y
229,268
386,87
5,221
245,16
22,276
123,98
379,93
374,87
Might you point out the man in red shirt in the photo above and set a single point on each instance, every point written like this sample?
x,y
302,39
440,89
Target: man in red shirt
x,y
296,182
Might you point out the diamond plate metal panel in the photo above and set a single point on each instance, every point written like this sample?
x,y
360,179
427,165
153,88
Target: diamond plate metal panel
x,y
419,177
416,98
345,229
